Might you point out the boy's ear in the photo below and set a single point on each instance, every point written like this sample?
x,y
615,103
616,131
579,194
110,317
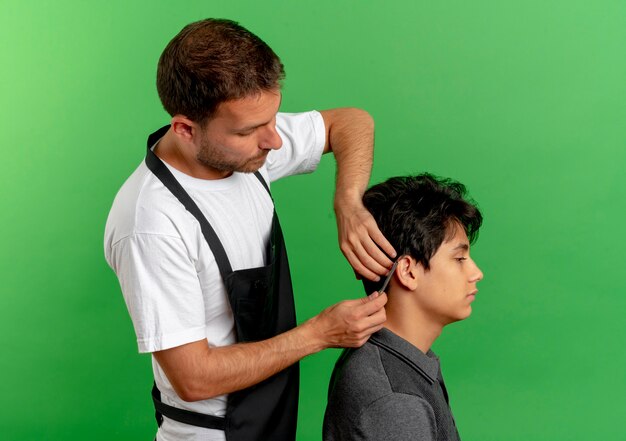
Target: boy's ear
x,y
407,272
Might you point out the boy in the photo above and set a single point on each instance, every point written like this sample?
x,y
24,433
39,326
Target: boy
x,y
392,387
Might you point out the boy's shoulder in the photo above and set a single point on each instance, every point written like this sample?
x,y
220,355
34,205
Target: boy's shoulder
x,y
385,364
360,374
378,386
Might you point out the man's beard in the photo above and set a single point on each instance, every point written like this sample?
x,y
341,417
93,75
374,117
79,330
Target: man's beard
x,y
212,157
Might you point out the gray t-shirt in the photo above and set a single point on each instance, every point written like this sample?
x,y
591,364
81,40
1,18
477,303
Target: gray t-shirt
x,y
388,390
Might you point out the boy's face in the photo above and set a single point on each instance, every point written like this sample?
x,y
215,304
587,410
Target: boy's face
x,y
447,289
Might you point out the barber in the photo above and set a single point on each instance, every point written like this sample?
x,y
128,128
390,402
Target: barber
x,y
198,250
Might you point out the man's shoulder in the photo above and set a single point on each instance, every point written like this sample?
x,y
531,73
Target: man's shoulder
x,y
304,137
284,120
144,206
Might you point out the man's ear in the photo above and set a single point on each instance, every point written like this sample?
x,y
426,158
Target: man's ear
x,y
184,128
407,272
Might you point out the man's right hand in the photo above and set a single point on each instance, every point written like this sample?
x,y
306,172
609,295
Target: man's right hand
x,y
350,323
198,371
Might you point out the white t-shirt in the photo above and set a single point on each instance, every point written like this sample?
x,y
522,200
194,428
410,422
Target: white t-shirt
x,y
168,275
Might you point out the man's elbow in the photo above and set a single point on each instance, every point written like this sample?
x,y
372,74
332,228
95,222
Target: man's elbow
x,y
188,369
186,392
190,391
361,116
347,117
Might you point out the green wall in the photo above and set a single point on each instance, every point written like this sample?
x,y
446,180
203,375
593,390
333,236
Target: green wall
x,y
523,101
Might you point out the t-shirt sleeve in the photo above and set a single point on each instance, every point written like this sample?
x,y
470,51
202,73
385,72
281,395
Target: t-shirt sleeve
x,y
304,136
397,417
161,290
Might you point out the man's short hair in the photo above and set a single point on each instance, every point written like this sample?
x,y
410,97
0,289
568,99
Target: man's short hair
x,y
212,61
418,213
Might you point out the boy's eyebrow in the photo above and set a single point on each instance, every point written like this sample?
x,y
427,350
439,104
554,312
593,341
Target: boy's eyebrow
x,y
462,246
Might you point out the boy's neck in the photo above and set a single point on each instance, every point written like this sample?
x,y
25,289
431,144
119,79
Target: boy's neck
x,y
411,323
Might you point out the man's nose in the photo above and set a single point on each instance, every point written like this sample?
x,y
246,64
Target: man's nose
x,y
271,140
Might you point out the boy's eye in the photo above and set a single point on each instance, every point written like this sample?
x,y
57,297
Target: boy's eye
x,y
461,259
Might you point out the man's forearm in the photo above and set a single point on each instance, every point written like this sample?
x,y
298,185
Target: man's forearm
x,y
198,372
351,139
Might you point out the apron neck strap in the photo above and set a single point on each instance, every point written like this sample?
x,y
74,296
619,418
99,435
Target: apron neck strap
x,y
167,178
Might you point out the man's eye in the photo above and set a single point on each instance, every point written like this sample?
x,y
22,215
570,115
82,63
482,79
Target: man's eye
x,y
245,133
461,259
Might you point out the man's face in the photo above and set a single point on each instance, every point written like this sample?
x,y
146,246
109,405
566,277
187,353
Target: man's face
x,y
448,287
241,133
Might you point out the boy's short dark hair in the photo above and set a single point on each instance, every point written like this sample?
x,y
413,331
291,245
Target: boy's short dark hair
x,y
418,213
212,61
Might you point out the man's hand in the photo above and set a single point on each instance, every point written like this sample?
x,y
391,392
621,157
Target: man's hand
x,y
350,136
348,324
198,372
362,242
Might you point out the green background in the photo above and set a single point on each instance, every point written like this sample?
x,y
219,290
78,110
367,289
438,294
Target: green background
x,y
525,102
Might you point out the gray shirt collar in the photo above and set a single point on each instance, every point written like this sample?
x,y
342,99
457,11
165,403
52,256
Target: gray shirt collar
x,y
426,364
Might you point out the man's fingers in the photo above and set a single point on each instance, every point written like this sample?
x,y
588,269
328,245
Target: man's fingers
x,y
359,267
380,240
357,275
377,255
368,333
368,260
371,248
376,319
376,328
371,304
351,322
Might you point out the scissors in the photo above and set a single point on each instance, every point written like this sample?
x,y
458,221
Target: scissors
x,y
388,279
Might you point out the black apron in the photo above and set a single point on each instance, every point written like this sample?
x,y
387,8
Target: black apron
x,y
262,303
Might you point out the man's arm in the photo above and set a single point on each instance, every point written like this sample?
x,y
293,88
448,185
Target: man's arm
x,y
198,372
350,136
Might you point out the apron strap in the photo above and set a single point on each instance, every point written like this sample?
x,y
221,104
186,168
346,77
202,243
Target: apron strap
x,y
184,416
160,170
262,181
167,178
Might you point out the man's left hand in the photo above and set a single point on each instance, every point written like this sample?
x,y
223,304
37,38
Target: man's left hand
x,y
362,242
